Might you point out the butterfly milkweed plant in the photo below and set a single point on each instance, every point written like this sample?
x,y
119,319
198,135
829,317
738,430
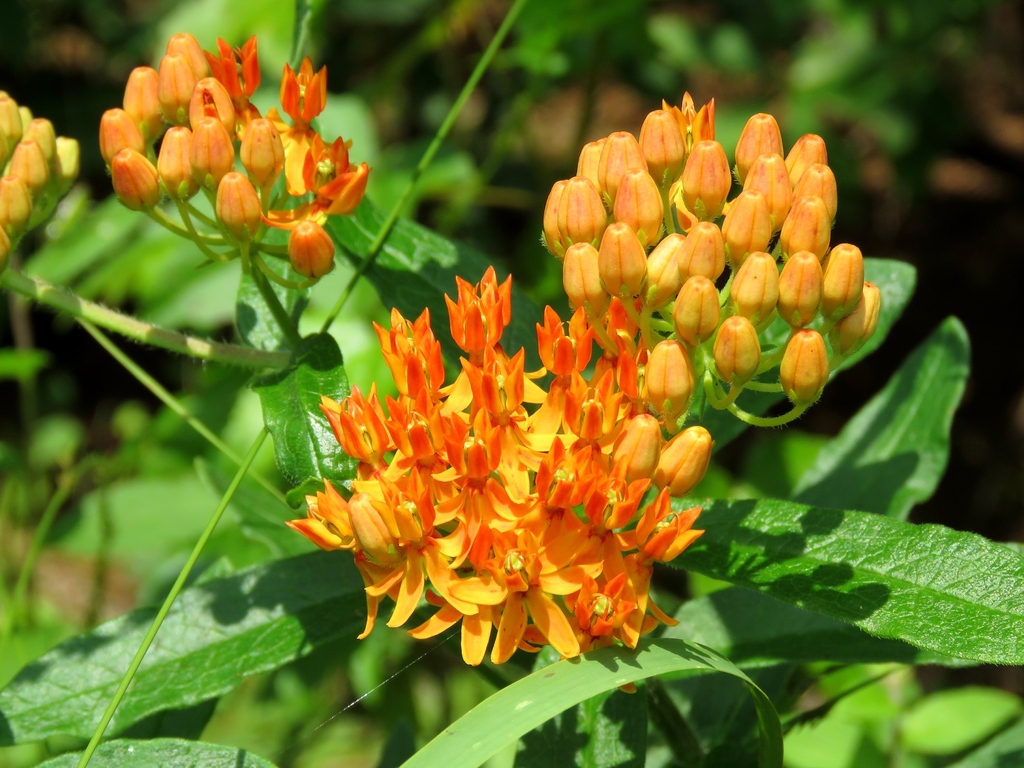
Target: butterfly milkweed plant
x,y
499,527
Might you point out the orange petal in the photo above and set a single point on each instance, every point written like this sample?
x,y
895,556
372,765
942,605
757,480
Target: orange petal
x,y
552,623
564,581
410,593
510,630
476,633
482,590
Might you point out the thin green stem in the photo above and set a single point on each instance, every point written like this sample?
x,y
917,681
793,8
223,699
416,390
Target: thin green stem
x,y
300,33
763,386
188,232
273,303
762,421
179,583
295,285
200,240
273,250
65,301
427,159
195,212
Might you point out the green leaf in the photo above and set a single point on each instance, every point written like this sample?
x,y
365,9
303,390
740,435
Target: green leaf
x,y
1003,751
954,593
22,365
217,633
131,753
951,721
304,444
892,454
527,703
256,324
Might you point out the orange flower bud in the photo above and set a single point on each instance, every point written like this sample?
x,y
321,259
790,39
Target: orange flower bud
x,y
212,153
662,144
684,461
135,180
737,350
800,289
703,253
590,162
581,278
118,131
807,228
311,250
663,280
183,44
371,531
747,226
638,204
639,445
176,82
760,136
622,262
755,288
808,150
5,249
819,181
768,175
173,164
581,214
552,236
69,155
142,101
15,205
852,331
262,152
29,164
844,281
620,153
697,310
10,124
804,370
238,206
40,130
706,180
668,380
211,99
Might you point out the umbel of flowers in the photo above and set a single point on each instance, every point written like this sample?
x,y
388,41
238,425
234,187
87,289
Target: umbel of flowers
x,y
196,106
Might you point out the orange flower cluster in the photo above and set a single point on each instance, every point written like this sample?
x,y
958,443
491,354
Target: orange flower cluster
x,y
511,508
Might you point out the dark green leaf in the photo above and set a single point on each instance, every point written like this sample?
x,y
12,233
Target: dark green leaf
x,y
1003,751
131,753
256,324
217,633
184,723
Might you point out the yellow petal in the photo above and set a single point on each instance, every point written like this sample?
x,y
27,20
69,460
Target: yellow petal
x,y
510,629
552,623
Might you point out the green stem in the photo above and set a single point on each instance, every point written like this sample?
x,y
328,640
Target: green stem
x,y
427,159
200,240
273,250
189,233
273,303
294,285
179,583
763,386
762,421
202,216
300,33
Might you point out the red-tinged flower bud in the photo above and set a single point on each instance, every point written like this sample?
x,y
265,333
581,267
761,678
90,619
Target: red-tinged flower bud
x,y
844,281
118,131
668,381
183,44
176,82
211,99
697,311
747,226
638,204
807,228
760,136
552,236
706,180
15,205
804,370
768,175
639,445
755,288
371,531
703,253
662,144
684,461
135,180
581,214
622,261
142,101
581,278
40,130
590,162
174,166
10,124
819,181
29,164
262,152
212,153
663,279
311,250
800,289
69,155
852,331
621,152
238,206
737,351
808,150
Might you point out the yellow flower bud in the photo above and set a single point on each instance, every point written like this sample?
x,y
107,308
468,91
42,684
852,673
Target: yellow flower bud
x,y
804,370
638,204
663,280
29,164
808,150
40,130
620,153
703,253
844,281
639,445
755,288
589,164
173,164
262,152
211,99
26,117
581,214
747,226
212,153
768,175
737,350
69,155
581,278
684,461
118,131
800,289
552,235
174,90
135,180
819,181
311,250
15,206
10,125
706,180
662,145
697,310
183,44
238,206
371,531
622,262
852,331
760,136
668,380
5,249
807,228
142,101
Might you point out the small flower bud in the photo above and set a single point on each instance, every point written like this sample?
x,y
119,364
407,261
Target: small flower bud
x,y
638,204
620,153
684,460
29,164
262,152
755,288
703,253
819,181
552,236
69,155
581,278
663,280
10,124
747,226
371,532
800,289
176,83
135,180
668,380
590,162
760,136
173,164
622,262
142,101
844,281
808,150
238,206
5,249
211,99
807,228
26,118
15,206
737,351
581,214
639,445
706,180
311,250
212,153
40,130
697,310
663,147
804,370
768,175
183,44
852,331
118,131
